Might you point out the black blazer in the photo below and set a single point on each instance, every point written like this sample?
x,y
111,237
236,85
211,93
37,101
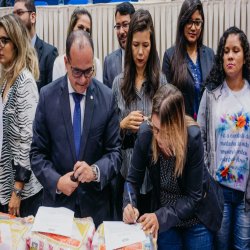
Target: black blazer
x,y
46,54
112,67
206,57
53,149
202,194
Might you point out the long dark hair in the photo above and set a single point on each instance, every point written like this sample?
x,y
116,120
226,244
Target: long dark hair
x,y
140,21
178,70
217,73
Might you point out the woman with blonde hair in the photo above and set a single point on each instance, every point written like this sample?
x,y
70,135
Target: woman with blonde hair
x,y
80,19
186,204
20,191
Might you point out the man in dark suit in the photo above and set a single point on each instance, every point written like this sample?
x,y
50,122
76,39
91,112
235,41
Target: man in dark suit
x,y
46,53
76,132
114,62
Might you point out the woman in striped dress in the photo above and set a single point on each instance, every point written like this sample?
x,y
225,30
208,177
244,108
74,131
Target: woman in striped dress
x,y
134,90
20,191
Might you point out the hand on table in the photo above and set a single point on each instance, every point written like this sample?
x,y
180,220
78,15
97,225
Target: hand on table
x,y
150,222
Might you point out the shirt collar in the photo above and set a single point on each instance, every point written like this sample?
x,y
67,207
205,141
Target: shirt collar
x,y
123,52
33,40
71,90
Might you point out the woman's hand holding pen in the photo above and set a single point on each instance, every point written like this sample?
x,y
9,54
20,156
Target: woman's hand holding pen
x,y
130,214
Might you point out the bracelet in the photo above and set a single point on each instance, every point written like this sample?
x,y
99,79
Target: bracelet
x,y
18,192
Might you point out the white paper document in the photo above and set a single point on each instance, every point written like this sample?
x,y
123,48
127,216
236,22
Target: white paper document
x,y
54,220
118,234
5,237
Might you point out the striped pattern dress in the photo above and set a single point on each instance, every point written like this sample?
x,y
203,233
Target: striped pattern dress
x,y
19,109
142,103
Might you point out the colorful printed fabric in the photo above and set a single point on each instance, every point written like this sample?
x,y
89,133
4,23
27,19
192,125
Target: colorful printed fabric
x,y
232,138
196,72
170,191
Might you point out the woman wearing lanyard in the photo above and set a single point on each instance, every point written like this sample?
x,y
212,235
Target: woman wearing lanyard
x,y
187,64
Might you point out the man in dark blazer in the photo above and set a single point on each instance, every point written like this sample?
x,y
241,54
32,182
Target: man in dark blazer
x,y
89,147
114,62
46,53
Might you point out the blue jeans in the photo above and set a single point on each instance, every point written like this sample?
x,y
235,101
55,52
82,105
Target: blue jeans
x,y
193,238
235,228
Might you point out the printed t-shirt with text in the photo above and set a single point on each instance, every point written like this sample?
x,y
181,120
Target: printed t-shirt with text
x,y
232,137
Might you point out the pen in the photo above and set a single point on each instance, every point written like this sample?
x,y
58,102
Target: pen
x,y
129,194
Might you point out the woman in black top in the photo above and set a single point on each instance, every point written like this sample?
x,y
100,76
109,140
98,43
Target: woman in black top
x,y
187,203
187,64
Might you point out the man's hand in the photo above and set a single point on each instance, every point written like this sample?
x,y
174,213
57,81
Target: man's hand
x,y
65,185
84,172
14,205
130,215
150,222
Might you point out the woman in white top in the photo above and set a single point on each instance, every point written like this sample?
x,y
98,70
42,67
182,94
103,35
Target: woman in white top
x,y
224,119
80,19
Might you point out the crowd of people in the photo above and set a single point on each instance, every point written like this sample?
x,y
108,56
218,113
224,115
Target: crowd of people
x,y
75,136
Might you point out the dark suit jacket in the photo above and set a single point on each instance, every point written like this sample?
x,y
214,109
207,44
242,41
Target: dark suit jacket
x,y
46,54
202,194
112,67
206,56
53,149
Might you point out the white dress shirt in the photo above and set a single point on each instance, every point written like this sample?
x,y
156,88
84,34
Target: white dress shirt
x,y
123,55
33,40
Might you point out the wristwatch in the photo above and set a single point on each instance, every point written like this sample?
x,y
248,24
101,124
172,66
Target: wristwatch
x,y
95,172
18,192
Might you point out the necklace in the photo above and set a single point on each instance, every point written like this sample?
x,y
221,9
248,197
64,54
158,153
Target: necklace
x,y
4,86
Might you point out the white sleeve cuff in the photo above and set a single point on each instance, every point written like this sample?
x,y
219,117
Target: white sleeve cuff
x,y
58,192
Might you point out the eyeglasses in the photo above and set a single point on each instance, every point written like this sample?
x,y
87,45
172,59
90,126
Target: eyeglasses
x,y
77,73
197,24
3,41
21,12
124,26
